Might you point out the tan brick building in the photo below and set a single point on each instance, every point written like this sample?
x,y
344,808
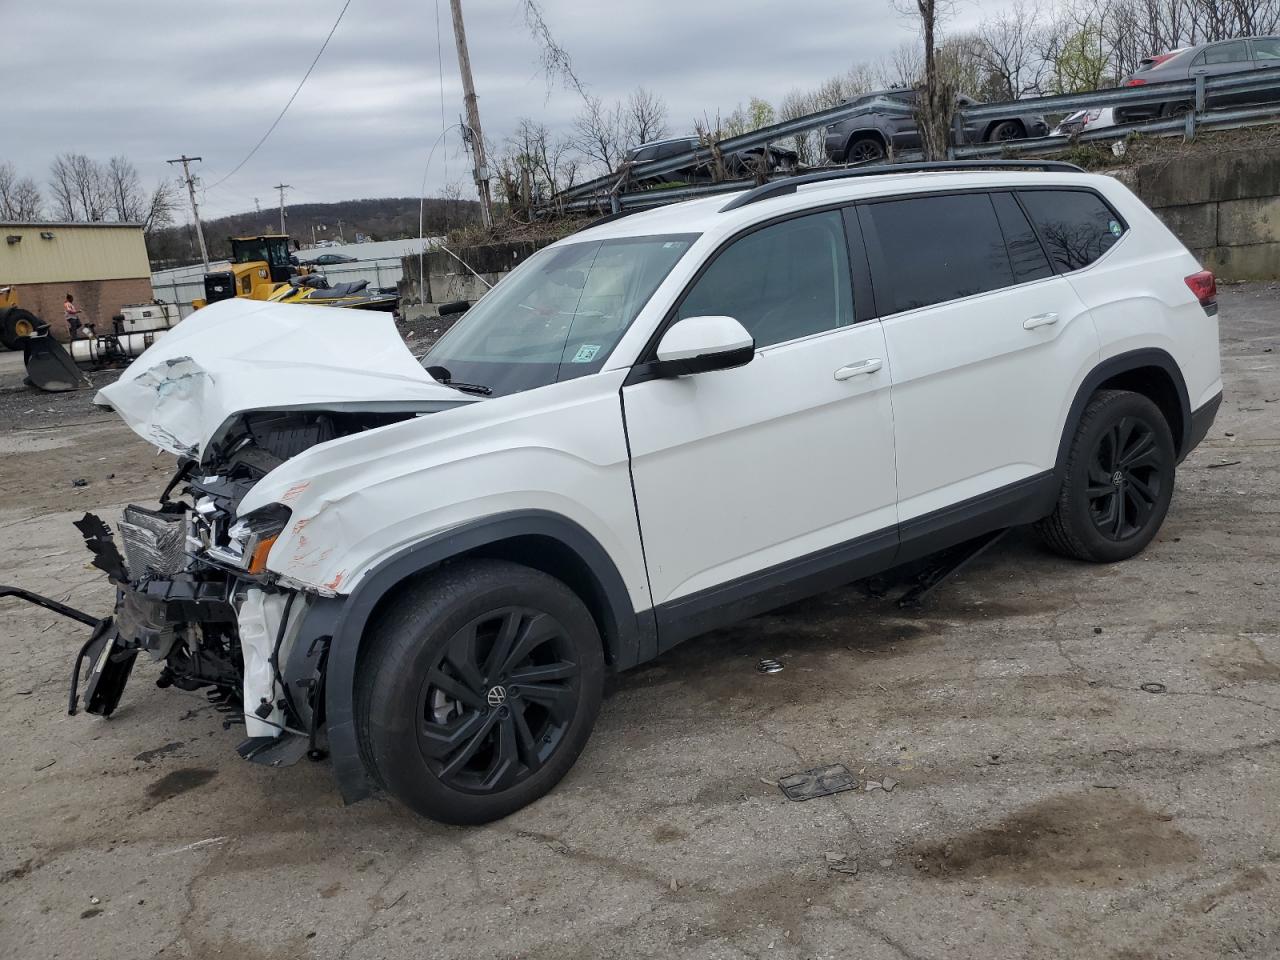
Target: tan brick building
x,y
103,265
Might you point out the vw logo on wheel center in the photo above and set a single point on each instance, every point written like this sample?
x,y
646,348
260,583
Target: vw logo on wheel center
x,y
497,696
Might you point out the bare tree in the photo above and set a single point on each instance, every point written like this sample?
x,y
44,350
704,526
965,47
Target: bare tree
x,y
646,117
79,187
19,196
160,207
937,101
128,202
1010,48
903,67
556,61
599,132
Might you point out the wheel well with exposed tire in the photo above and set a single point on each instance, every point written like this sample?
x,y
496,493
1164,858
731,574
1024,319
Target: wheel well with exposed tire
x,y
540,541
1128,427
1151,372
868,134
995,124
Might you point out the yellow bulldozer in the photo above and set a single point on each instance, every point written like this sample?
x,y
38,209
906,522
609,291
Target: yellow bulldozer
x,y
263,268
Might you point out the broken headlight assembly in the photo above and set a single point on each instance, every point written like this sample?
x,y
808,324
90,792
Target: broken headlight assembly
x,y
246,542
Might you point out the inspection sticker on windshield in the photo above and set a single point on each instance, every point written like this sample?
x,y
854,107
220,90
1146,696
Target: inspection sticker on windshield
x,y
586,353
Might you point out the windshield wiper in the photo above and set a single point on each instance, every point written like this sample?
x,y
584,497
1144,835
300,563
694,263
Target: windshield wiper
x,y
442,374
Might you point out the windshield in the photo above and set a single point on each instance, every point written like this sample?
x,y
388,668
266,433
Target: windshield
x,y
557,316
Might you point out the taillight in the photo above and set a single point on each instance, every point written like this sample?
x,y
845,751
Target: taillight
x,y
1205,289
1134,82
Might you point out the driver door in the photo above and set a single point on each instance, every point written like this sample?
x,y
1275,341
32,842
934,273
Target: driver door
x,y
775,479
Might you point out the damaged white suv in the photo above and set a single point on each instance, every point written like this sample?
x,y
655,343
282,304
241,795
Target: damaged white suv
x,y
662,424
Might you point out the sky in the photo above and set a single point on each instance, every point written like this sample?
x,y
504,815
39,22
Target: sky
x,y
152,80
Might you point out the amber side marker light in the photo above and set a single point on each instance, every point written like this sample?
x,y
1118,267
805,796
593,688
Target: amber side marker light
x,y
258,562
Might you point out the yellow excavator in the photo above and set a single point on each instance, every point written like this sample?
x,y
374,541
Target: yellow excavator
x,y
262,268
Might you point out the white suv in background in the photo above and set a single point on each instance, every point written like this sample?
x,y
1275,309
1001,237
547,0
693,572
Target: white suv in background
x,y
662,424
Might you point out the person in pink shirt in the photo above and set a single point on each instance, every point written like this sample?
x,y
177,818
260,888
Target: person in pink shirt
x,y
72,316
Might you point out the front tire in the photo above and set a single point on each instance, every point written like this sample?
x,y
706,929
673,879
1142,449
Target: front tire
x,y
479,690
1006,130
1118,481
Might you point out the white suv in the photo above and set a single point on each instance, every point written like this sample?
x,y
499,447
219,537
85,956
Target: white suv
x,y
665,423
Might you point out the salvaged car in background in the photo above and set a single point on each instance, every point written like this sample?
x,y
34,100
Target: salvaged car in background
x,y
886,120
738,163
1260,55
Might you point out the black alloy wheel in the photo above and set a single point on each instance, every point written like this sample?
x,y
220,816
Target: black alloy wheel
x,y
1125,478
1117,482
498,701
477,687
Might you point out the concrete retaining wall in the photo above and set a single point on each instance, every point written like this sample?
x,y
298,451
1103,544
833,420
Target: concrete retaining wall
x,y
1224,206
448,280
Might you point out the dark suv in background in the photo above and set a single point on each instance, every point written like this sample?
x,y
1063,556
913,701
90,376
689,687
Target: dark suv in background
x,y
886,119
740,163
1217,59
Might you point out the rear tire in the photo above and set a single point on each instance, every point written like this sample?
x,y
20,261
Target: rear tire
x,y
1118,481
1006,130
479,689
864,150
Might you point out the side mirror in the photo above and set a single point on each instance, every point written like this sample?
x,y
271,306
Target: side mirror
x,y
703,344
457,306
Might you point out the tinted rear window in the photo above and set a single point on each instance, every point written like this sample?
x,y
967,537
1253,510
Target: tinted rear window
x,y
1076,227
930,249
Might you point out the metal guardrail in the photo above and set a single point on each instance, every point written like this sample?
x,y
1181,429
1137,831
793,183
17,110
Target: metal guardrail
x,y
602,191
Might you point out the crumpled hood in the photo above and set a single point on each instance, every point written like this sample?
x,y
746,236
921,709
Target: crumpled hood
x,y
241,355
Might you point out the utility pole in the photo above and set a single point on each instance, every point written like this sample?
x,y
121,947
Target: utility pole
x,y
473,113
257,205
195,210
282,187
341,238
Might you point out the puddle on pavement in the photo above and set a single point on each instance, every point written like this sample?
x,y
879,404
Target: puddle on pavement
x,y
1101,838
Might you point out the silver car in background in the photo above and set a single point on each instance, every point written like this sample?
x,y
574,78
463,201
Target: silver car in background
x,y
1216,59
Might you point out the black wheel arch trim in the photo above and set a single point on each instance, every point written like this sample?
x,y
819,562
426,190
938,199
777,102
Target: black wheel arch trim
x,y
629,636
1112,367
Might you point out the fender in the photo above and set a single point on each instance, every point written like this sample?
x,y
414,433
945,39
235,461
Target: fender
x,y
1111,367
628,635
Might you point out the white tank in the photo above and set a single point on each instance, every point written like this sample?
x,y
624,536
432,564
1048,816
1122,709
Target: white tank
x,y
102,348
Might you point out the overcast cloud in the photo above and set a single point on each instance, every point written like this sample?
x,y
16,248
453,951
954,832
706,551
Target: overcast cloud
x,y
151,80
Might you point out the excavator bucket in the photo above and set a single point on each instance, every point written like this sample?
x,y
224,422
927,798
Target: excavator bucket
x,y
49,366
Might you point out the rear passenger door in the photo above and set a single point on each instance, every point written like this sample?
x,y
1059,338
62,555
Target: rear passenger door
x,y
986,344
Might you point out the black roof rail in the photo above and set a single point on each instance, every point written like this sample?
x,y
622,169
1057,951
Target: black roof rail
x,y
780,188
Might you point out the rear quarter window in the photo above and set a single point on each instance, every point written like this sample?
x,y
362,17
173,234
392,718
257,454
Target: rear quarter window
x,y
1076,226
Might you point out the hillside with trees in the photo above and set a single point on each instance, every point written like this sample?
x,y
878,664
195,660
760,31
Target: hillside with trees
x,y
382,218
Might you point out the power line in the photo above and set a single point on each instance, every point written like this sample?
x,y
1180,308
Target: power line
x,y
277,120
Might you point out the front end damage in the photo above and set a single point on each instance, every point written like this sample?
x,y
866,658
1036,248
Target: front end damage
x,y
195,592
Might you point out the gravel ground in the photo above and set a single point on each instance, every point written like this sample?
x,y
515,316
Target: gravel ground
x,y
1084,761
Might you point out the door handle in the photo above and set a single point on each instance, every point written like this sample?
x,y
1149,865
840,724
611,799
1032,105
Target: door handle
x,y
1039,320
862,366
